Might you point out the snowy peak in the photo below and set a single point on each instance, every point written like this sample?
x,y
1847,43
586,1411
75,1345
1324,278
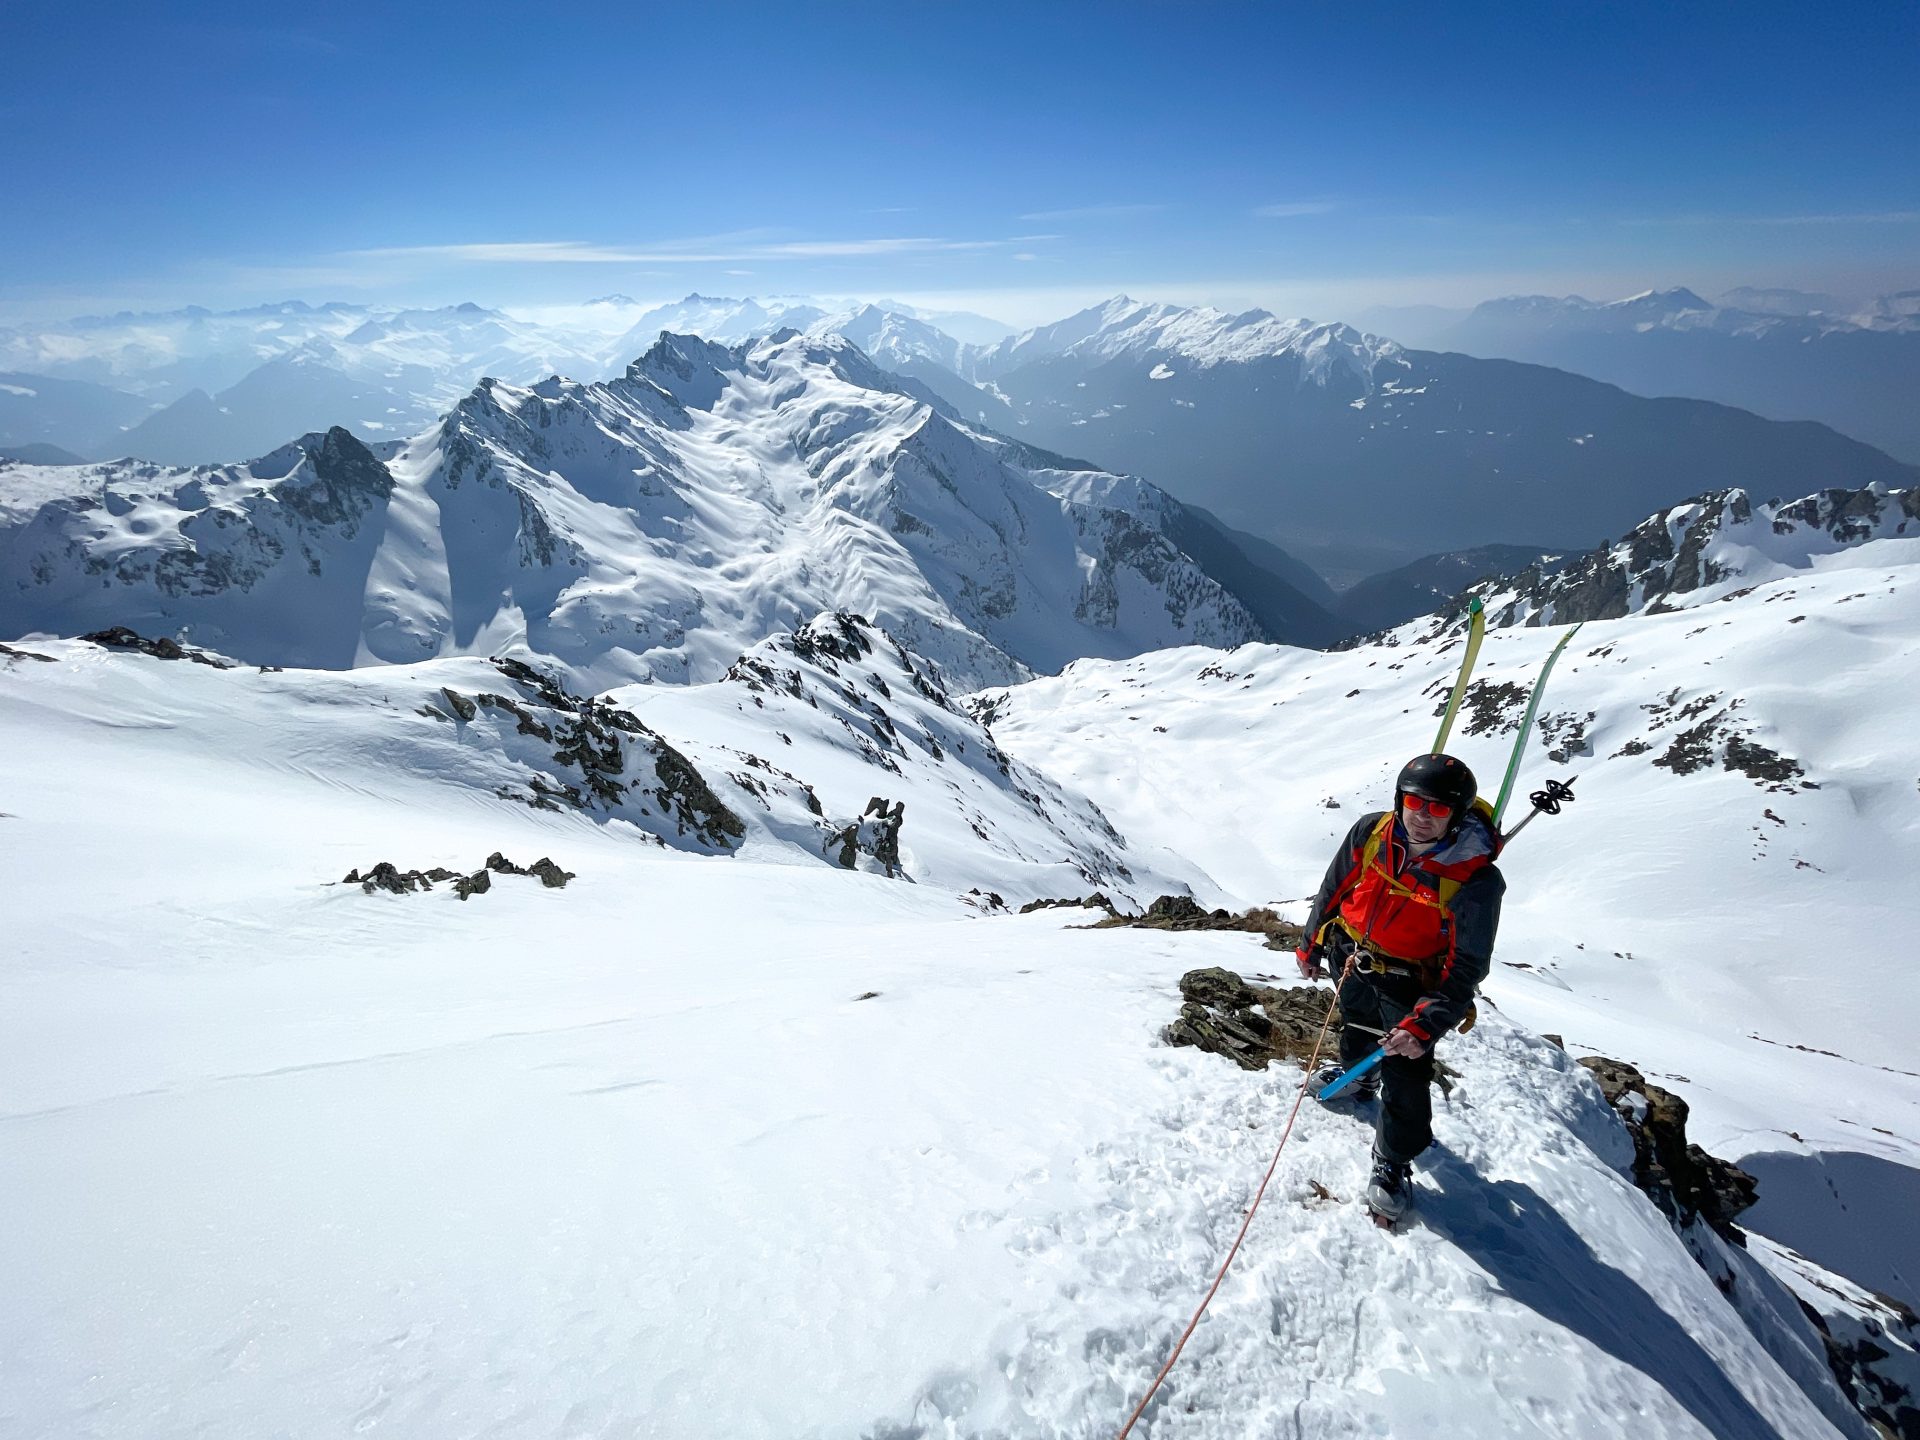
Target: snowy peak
x,y
1659,304
687,368
1204,337
895,340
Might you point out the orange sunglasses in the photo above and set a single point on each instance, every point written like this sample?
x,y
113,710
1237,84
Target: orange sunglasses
x,y
1439,809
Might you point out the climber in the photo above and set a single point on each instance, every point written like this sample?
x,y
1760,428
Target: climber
x,y
1404,922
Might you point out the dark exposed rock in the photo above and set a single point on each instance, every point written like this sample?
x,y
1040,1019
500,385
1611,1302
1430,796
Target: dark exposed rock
x,y
1095,901
13,654
875,833
526,725
1566,735
119,637
684,794
1757,762
1651,568
389,877
347,481
840,636
1682,1179
1183,912
592,737
1252,1025
1881,1330
550,874
1489,707
462,706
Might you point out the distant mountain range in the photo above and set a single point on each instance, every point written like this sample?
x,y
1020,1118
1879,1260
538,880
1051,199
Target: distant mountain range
x,y
1326,438
1340,447
1783,354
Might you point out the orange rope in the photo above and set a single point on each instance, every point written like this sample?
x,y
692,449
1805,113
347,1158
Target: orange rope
x,y
1300,1096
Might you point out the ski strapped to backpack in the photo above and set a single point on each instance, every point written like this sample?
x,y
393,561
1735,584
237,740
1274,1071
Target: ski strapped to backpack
x,y
1476,632
1526,726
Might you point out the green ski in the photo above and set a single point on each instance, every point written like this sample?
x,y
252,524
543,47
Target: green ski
x,y
1526,726
1476,632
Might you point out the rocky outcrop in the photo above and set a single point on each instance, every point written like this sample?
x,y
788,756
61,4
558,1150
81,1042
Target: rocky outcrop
x,y
876,834
1252,1025
1095,901
1682,1179
389,877
597,756
119,637
1183,912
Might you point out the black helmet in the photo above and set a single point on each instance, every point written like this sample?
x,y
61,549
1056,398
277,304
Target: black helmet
x,y
1437,777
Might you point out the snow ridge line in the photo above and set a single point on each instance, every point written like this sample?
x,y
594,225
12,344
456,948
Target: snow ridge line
x,y
1299,1096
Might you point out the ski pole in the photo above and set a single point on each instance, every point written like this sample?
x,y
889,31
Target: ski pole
x,y
1545,802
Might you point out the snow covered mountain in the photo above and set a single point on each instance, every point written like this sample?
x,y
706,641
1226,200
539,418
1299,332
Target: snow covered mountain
x,y
723,1137
647,528
1359,454
1124,328
1778,353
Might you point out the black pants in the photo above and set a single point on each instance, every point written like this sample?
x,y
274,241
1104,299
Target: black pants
x,y
1406,1086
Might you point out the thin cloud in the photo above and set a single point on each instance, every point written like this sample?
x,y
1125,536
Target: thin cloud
x,y
1092,212
579,252
1294,209
1873,217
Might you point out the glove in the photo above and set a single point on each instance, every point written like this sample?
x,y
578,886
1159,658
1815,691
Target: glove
x,y
1309,962
1403,1042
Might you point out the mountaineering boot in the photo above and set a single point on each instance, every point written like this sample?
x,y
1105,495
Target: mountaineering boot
x,y
1366,1088
1389,1190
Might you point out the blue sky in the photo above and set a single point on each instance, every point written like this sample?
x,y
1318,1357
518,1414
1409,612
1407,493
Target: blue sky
x,y
1019,160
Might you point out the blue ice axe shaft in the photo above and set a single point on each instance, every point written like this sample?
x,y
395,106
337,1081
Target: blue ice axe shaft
x,y
1354,1072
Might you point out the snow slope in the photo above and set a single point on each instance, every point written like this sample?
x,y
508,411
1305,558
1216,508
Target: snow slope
x,y
709,1144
